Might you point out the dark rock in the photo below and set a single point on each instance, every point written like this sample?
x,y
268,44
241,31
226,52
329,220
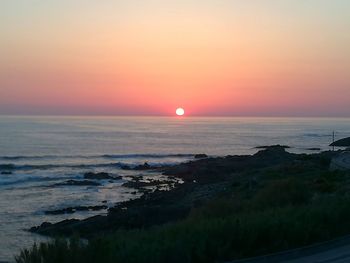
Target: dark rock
x,y
211,175
151,209
221,168
200,156
43,225
46,224
7,167
272,154
140,167
125,167
78,183
135,178
47,228
138,184
6,172
314,149
104,201
99,176
71,210
273,146
144,166
342,143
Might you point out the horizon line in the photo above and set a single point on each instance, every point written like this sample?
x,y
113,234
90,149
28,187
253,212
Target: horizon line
x,y
174,116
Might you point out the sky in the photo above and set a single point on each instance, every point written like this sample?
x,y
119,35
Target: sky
x,y
148,57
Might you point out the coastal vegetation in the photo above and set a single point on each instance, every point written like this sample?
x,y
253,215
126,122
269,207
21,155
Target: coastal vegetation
x,y
228,208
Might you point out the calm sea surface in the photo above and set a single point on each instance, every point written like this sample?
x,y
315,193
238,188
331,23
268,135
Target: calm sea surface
x,y
42,151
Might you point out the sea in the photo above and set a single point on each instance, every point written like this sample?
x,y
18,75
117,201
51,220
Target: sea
x,y
39,152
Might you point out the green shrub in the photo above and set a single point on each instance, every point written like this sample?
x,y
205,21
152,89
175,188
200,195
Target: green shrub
x,y
281,193
220,207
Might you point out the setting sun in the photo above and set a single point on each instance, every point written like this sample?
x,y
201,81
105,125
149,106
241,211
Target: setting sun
x,y
180,111
88,92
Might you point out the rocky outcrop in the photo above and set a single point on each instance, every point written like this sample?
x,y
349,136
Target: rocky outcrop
x,y
71,210
7,167
54,227
100,176
273,146
203,179
342,143
139,167
200,156
219,168
151,209
144,166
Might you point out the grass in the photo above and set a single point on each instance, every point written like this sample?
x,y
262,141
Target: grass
x,y
207,239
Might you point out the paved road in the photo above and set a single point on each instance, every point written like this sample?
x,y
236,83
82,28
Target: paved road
x,y
333,251
335,255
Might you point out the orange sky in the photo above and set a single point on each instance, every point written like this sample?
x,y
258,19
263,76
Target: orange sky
x,y
268,58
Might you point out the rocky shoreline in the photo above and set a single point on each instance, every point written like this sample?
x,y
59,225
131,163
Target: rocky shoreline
x,y
191,184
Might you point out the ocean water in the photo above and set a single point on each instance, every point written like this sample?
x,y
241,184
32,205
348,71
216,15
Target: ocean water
x,y
42,151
